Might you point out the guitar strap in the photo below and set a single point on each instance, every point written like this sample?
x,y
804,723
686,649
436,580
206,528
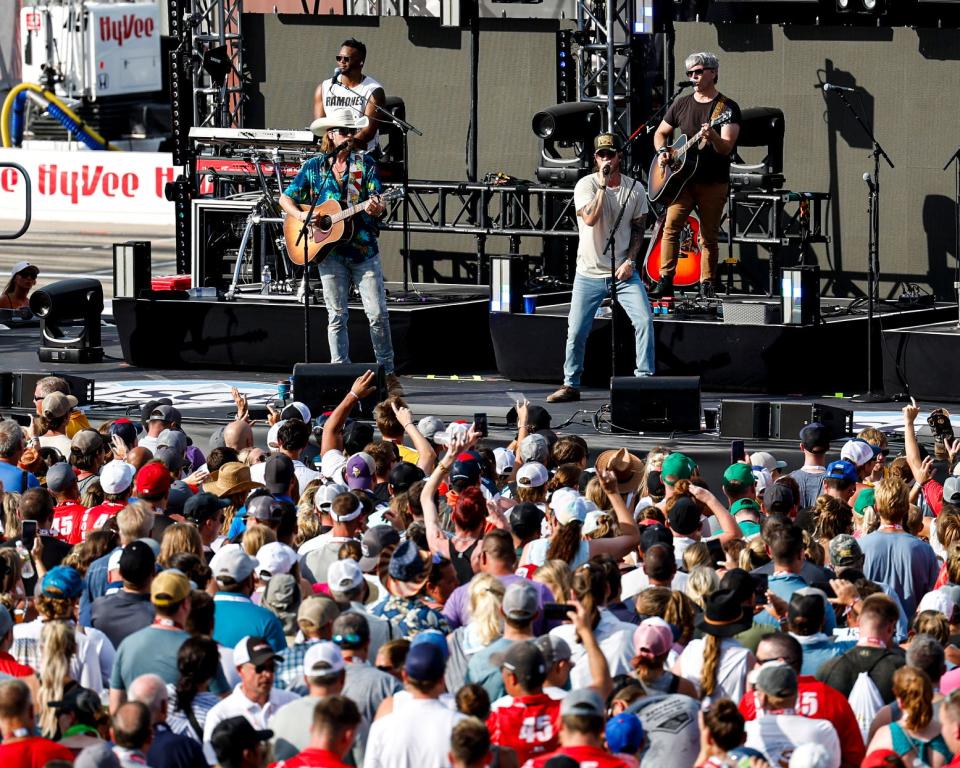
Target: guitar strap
x,y
718,107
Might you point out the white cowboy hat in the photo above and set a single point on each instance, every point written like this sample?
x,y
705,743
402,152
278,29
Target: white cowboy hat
x,y
339,118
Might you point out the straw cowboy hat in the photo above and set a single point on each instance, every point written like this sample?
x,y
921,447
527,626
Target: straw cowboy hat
x,y
339,118
233,477
627,467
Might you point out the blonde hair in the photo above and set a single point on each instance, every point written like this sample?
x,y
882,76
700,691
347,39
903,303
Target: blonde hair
x,y
932,623
873,436
255,537
948,526
557,577
695,555
832,517
813,549
681,611
534,495
486,596
594,492
892,499
308,525
914,691
701,582
953,563
711,664
607,527
11,515
58,644
180,537
307,498
754,554
135,521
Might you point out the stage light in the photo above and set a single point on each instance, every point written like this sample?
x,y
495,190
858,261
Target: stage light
x,y
69,312
843,5
571,127
567,122
870,5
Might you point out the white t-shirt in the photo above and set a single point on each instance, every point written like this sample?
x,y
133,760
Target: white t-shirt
x,y
591,261
415,736
634,582
732,672
777,736
338,97
615,639
304,474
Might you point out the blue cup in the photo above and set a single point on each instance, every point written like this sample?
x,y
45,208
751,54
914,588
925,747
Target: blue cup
x,y
530,305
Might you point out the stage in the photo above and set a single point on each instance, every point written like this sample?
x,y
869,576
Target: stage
x,y
922,360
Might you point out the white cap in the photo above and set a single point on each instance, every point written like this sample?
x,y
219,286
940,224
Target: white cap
x,y
453,428
275,558
571,509
325,495
20,266
810,754
332,465
272,436
322,659
592,520
232,562
116,476
766,460
430,426
113,563
763,479
532,474
301,408
506,460
343,575
857,451
939,601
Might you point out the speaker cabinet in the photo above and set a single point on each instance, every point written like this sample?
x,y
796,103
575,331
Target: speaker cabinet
x,y
24,384
655,403
323,385
744,418
787,419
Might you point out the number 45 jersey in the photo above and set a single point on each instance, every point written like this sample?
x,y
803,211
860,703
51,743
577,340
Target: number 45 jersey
x,y
528,724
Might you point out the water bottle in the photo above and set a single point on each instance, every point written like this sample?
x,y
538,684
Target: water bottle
x,y
266,280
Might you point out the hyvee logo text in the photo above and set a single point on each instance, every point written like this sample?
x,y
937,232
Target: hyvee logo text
x,y
124,28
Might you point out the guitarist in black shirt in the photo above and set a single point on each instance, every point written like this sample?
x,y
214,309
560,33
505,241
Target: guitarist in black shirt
x,y
707,189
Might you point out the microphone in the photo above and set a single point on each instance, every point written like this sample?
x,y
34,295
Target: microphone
x,y
336,76
684,83
340,147
606,170
869,181
832,87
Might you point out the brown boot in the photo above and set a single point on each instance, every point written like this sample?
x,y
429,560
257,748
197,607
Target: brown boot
x,y
394,387
564,395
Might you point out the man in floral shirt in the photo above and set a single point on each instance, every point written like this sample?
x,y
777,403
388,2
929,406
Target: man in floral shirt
x,y
404,572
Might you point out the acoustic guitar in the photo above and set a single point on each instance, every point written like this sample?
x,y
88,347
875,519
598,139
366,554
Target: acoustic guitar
x,y
666,182
689,254
331,225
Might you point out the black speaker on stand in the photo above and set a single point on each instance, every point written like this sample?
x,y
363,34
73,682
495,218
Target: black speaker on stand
x,y
321,386
655,403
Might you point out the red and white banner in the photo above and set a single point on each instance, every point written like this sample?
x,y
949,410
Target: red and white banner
x,y
112,187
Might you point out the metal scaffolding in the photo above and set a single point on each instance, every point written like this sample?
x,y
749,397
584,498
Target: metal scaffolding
x,y
605,71
217,38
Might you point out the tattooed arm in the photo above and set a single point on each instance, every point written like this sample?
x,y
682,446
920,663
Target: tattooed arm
x,y
629,266
590,213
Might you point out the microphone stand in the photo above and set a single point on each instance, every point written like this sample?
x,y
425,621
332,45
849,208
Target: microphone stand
x,y
873,251
955,159
651,123
405,128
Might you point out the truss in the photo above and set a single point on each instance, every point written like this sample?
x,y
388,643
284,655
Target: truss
x,y
216,25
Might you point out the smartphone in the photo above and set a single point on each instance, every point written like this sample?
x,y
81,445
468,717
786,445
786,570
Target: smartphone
x,y
557,611
480,423
760,586
28,533
516,397
738,451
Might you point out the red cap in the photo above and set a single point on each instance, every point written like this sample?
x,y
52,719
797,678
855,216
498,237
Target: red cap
x,y
153,480
880,758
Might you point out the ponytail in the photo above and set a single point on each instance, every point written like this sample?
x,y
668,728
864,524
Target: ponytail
x,y
565,542
711,665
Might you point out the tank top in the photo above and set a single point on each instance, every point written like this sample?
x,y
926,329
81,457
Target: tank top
x,y
338,97
461,562
903,743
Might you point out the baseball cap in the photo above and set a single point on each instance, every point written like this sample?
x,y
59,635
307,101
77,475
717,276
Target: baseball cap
x,y
866,498
116,476
844,550
83,702
255,650
532,474
808,608
521,601
233,735
655,533
424,662
180,493
841,470
57,404
534,448
137,562
278,472
61,477
739,474
317,611
677,466
403,475
23,266
343,575
165,413
624,733
296,410
858,451
126,430
582,701
433,637
951,490
526,661
525,519
153,479
87,441
777,679
273,436
233,564
652,638
766,460
607,141
684,516
453,429
170,458
745,505
778,498
360,471
323,659
266,509
169,587
356,435
466,467
762,479
173,439
505,460
63,582
274,558
202,506
326,494
815,438
570,508
553,648
376,539
429,426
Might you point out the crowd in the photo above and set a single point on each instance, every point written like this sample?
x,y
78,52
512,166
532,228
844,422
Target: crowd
x,y
406,597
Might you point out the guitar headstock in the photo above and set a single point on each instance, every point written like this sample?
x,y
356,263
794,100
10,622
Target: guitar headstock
x,y
725,117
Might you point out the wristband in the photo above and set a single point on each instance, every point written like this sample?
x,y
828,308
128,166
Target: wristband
x,y
355,395
662,150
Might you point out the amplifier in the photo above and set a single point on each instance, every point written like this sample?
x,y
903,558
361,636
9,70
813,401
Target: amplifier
x,y
655,403
751,313
787,419
745,418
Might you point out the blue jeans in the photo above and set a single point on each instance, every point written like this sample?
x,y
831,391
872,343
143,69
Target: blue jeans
x,y
588,293
336,274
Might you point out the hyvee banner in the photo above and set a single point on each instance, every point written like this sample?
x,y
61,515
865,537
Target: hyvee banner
x,y
88,186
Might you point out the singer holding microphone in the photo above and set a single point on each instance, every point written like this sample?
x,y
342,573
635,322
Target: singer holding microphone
x,y
598,199
343,172
350,88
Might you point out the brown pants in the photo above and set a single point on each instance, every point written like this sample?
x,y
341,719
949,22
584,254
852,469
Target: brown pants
x,y
709,199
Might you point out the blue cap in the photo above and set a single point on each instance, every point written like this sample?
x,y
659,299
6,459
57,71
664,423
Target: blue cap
x,y
624,733
432,637
424,662
62,582
842,470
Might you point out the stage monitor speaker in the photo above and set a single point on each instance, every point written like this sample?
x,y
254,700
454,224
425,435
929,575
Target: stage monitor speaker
x,y
6,389
745,418
323,385
131,268
655,403
24,384
787,419
800,289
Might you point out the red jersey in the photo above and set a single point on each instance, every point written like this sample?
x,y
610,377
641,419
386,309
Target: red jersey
x,y
66,521
311,758
587,757
10,666
94,518
530,725
33,752
821,702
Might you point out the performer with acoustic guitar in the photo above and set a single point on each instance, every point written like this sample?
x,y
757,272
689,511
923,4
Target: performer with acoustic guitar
x,y
708,187
349,178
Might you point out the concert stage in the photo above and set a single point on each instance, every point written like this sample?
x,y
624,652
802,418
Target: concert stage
x,y
441,331
922,360
762,359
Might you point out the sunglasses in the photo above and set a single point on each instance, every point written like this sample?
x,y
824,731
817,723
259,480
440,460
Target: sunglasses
x,y
605,153
342,132
344,58
696,72
267,666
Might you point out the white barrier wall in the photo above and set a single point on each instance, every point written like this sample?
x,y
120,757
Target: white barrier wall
x,y
111,187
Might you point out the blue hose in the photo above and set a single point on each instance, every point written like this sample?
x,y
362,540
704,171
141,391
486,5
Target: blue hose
x,y
73,126
17,121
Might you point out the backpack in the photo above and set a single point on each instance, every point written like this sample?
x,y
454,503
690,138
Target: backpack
x,y
865,700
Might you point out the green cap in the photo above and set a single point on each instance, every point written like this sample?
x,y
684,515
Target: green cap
x,y
741,474
677,466
749,528
740,505
866,498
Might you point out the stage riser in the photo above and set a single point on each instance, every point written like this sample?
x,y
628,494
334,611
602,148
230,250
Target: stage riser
x,y
265,336
928,356
766,359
